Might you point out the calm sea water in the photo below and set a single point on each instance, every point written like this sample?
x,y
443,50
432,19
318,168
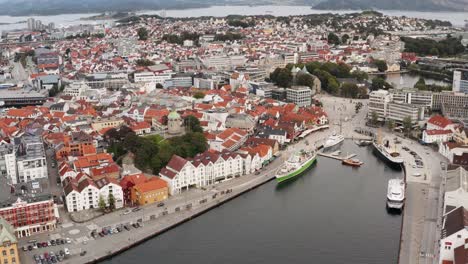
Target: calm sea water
x,y
407,80
457,18
332,214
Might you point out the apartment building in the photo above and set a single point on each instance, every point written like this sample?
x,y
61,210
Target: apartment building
x,y
460,81
27,160
204,169
82,193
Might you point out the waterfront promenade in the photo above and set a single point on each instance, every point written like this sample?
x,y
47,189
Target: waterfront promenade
x,y
418,219
156,219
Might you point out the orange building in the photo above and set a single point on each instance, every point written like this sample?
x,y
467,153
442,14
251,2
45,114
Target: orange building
x,y
153,191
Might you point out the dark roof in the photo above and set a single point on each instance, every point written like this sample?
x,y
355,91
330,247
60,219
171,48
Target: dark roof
x,y
176,163
461,159
454,222
461,255
267,130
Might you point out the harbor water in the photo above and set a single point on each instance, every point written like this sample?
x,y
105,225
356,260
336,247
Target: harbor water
x,y
331,214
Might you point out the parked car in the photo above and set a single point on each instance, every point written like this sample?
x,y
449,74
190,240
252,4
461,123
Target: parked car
x,y
66,251
82,253
160,204
127,212
68,240
127,227
136,209
25,248
30,247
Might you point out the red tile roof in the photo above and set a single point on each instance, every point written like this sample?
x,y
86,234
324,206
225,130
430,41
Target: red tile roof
x,y
439,121
176,163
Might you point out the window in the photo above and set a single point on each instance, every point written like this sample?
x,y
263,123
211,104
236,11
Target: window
x,y
12,251
4,253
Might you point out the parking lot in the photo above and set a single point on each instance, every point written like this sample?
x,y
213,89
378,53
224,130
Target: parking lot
x,y
51,251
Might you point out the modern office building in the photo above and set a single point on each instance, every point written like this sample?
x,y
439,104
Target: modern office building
x,y
460,81
300,95
378,103
451,104
399,111
27,160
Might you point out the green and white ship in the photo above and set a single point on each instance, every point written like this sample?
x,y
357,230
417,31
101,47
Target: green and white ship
x,y
295,165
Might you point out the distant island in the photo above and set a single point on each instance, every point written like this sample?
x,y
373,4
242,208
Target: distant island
x,y
57,7
110,16
415,5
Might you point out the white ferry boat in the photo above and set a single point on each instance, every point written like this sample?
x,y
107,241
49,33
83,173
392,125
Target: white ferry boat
x,y
396,194
333,141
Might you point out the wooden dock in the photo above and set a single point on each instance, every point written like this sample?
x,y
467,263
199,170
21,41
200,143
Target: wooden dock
x,y
337,157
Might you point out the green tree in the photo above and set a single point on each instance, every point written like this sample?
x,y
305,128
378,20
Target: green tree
x,y
333,39
333,85
199,95
344,38
381,65
420,84
142,33
434,51
282,77
111,201
102,203
305,79
144,62
360,75
192,124
391,124
379,83
374,118
350,90
407,124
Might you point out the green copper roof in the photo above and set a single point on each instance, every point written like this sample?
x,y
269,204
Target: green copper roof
x,y
173,115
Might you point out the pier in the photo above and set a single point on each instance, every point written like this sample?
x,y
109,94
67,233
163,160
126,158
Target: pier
x,y
335,154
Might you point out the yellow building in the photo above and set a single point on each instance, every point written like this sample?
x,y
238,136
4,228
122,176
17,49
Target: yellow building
x,y
152,191
100,124
8,244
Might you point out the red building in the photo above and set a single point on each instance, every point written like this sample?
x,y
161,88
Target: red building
x,y
30,211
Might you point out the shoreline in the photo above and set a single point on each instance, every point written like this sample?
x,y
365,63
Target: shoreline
x,y
194,213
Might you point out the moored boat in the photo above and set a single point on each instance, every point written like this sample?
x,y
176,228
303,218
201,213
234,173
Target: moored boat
x,y
352,162
363,143
296,165
396,194
333,141
392,157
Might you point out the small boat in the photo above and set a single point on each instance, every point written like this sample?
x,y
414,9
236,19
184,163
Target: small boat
x,y
352,162
336,153
363,143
